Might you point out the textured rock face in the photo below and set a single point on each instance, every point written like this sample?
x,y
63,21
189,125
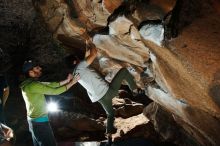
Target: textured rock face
x,y
186,68
187,72
123,35
165,124
110,6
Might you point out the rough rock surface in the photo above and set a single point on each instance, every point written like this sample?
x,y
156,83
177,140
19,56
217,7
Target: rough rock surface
x,y
186,73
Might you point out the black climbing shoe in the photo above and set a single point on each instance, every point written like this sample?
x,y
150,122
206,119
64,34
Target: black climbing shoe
x,y
137,92
147,80
109,140
112,131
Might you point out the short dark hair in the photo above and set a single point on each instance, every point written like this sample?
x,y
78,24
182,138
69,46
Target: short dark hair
x,y
70,59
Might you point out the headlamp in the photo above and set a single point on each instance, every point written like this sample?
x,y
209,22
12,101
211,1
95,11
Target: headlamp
x,y
52,106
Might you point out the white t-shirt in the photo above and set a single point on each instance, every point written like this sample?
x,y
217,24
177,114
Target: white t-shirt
x,y
95,85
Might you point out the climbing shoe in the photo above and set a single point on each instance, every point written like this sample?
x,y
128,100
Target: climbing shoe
x,y
112,131
147,80
137,92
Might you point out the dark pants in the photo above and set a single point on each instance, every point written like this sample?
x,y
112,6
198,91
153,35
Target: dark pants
x,y
106,100
42,134
2,115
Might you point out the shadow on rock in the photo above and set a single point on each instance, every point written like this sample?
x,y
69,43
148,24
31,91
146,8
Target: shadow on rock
x,y
214,92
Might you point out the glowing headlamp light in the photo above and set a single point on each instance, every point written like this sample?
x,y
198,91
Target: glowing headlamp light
x,y
52,107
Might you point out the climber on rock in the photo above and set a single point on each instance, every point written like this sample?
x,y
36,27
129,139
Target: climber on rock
x,y
97,88
34,92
